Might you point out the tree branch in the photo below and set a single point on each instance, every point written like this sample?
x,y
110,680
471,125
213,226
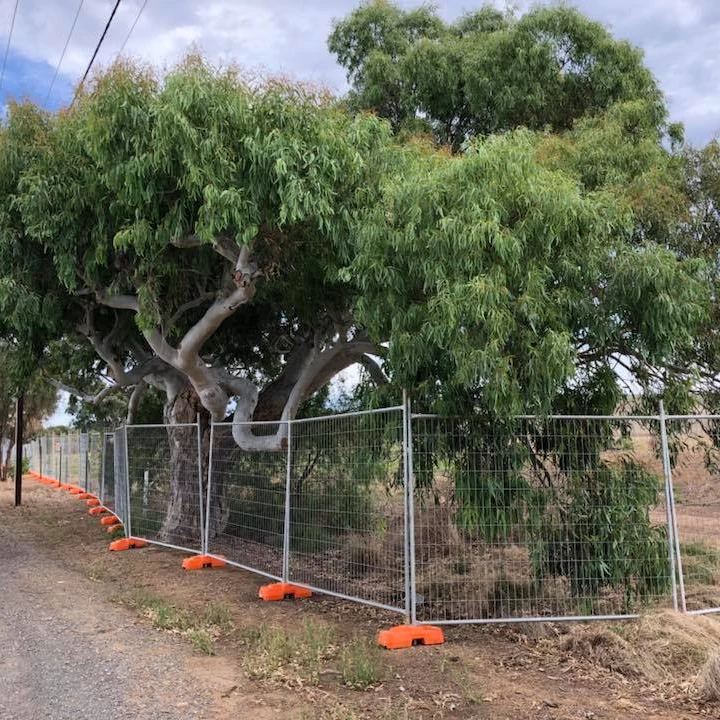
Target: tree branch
x,y
134,401
199,300
222,245
85,397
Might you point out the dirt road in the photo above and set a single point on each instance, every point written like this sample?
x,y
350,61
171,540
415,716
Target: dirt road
x,y
68,654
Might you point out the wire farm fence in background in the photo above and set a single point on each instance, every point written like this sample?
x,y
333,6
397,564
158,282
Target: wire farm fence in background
x,y
443,520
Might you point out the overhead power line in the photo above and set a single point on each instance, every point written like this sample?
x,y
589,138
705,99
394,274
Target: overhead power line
x,y
97,49
62,56
7,47
132,27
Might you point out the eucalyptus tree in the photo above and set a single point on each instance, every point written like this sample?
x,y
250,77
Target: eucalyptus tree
x,y
488,71
233,242
187,230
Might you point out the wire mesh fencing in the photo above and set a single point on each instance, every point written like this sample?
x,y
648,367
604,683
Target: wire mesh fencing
x,y
166,485
446,520
93,463
247,496
347,509
121,493
107,494
538,519
694,457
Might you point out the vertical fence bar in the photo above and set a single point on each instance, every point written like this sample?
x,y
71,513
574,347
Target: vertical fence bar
x,y
286,519
667,469
87,459
201,527
410,525
406,511
103,460
206,534
128,519
669,509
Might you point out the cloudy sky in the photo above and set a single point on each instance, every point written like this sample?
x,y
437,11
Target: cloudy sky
x,y
681,40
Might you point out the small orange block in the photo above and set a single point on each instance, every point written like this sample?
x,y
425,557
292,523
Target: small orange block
x,y
198,562
75,490
405,636
92,502
283,591
109,520
84,496
97,510
126,544
114,528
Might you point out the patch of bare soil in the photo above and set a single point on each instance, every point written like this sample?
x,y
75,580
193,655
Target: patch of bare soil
x,y
653,669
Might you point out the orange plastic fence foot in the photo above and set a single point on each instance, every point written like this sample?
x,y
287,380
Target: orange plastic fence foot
x,y
93,502
114,528
109,520
405,636
96,510
84,496
127,544
198,562
75,490
282,591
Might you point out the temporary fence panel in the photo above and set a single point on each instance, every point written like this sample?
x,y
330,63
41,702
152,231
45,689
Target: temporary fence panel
x,y
541,519
246,497
166,485
94,463
694,458
122,509
347,507
72,449
108,467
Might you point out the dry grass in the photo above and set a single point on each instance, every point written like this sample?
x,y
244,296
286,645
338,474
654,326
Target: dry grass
x,y
664,649
708,680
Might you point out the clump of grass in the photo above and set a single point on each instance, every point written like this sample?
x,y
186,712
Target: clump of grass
x,y
200,629
218,615
273,651
165,616
362,664
701,563
201,640
665,648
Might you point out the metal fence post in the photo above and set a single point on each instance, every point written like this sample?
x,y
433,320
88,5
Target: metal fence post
x,y
103,435
128,519
201,526
206,533
410,506
673,535
286,519
406,519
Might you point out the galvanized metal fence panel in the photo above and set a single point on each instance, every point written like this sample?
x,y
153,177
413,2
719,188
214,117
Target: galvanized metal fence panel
x,y
166,495
538,519
694,458
347,533
246,500
94,463
122,505
108,479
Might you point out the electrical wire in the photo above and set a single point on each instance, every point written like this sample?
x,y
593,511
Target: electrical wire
x,y
7,47
62,56
94,55
132,27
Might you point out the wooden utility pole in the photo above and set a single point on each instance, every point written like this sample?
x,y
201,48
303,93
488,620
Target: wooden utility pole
x,y
18,450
